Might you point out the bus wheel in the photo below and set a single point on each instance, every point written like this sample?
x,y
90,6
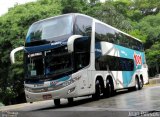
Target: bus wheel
x,y
108,90
137,86
70,101
56,102
98,90
140,84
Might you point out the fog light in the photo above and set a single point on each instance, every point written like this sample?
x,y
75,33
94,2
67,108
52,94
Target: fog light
x,y
71,90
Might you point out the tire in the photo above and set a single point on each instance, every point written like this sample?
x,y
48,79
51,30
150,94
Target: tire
x,y
108,90
137,86
70,101
56,102
98,91
140,84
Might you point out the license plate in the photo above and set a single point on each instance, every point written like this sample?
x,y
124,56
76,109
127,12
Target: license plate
x,y
48,96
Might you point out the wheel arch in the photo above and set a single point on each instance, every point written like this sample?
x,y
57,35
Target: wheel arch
x,y
100,78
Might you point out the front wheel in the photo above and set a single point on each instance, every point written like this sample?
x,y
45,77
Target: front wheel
x,y
57,102
70,101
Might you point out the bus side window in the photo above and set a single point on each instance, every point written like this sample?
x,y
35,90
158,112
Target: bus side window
x,y
82,52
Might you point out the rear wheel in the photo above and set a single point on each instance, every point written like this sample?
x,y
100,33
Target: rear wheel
x,y
138,85
108,89
57,102
98,90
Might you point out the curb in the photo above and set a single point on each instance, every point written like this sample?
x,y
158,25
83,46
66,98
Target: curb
x,y
154,81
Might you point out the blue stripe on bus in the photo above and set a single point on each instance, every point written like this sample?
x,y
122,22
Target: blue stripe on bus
x,y
98,49
129,53
63,78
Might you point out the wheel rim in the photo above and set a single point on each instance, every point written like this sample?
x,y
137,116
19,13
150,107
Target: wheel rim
x,y
141,84
109,88
98,88
137,85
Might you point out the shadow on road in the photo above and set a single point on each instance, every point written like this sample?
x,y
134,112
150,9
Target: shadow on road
x,y
84,101
66,105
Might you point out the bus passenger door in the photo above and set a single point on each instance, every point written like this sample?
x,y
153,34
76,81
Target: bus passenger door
x,y
81,64
81,61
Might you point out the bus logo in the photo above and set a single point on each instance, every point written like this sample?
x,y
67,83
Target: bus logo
x,y
137,59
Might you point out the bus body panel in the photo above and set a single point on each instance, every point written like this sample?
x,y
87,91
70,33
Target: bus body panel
x,y
123,79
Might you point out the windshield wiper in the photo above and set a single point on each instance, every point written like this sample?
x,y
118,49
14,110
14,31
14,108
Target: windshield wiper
x,y
36,43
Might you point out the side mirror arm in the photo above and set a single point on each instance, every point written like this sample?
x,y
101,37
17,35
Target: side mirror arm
x,y
12,54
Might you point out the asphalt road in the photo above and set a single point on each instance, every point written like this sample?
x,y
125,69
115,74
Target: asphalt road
x,y
145,102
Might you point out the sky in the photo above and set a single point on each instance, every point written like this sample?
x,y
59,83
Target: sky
x,y
5,4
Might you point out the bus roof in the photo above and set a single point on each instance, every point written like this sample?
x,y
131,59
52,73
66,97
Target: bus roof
x,y
96,20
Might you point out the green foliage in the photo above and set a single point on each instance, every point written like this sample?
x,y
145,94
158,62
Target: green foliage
x,y
153,55
73,6
148,29
13,29
153,58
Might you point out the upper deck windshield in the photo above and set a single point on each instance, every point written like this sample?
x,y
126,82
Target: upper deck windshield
x,y
51,30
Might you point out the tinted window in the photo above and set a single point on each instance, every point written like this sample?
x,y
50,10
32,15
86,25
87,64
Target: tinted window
x,y
108,34
82,52
120,64
83,26
51,28
104,33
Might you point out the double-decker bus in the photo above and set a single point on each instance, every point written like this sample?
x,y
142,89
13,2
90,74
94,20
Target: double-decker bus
x,y
74,55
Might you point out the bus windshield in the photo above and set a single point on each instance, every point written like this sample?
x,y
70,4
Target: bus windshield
x,y
50,63
49,29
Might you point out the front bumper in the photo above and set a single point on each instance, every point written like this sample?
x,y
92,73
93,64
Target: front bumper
x,y
66,92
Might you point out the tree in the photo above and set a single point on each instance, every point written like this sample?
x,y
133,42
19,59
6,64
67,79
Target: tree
x,y
73,6
149,29
153,58
13,29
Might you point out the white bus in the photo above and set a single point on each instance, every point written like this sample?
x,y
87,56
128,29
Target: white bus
x,y
75,55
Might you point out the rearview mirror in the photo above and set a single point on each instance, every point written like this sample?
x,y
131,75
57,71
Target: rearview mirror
x,y
12,54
